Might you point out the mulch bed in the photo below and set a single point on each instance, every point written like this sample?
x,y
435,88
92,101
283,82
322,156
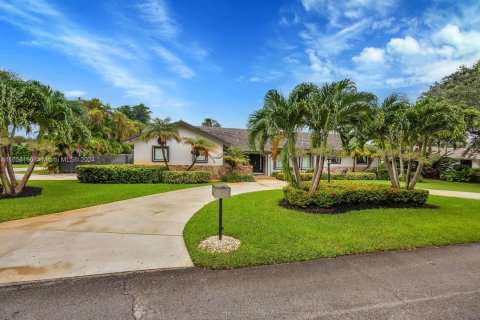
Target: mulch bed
x,y
351,207
27,192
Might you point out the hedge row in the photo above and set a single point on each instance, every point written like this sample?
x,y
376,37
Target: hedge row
x,y
138,174
334,176
238,177
335,194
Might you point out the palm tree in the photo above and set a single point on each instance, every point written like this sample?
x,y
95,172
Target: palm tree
x,y
278,121
332,108
235,156
162,130
200,147
209,122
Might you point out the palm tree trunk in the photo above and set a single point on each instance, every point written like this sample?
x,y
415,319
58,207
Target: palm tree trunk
x,y
164,157
353,166
7,188
31,166
318,175
395,172
423,148
369,164
9,166
409,173
193,163
393,181
296,170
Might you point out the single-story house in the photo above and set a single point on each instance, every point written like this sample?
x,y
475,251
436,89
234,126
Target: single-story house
x,y
179,154
471,159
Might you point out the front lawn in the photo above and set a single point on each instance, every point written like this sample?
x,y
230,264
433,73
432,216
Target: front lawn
x,y
60,196
434,184
271,234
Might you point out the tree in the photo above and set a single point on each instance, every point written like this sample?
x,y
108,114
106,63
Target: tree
x,y
334,108
209,122
278,121
42,113
139,112
235,156
200,147
163,131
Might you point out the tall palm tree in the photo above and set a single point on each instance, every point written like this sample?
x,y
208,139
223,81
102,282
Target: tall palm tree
x,y
162,130
332,108
235,156
209,122
200,147
280,120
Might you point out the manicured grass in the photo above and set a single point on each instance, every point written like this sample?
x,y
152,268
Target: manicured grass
x,y
20,165
434,184
60,196
271,234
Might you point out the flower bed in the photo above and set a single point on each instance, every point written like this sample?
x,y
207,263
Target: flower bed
x,y
334,176
138,174
351,194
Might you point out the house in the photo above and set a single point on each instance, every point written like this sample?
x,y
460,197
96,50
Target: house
x,y
471,159
179,155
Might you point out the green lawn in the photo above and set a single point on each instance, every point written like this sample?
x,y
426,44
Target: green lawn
x,y
437,185
60,196
271,234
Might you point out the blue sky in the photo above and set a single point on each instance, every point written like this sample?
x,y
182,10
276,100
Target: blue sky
x,y
195,59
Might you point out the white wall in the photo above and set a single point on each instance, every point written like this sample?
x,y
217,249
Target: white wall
x,y
476,163
179,153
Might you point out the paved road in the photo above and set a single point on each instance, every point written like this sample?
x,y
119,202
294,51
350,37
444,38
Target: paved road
x,y
436,283
137,234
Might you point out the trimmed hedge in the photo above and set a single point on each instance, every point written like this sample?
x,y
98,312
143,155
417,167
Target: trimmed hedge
x,y
138,174
334,176
335,194
120,173
238,177
186,177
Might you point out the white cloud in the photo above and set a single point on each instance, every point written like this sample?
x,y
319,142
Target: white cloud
x,y
406,46
464,43
74,93
254,79
370,55
157,14
175,63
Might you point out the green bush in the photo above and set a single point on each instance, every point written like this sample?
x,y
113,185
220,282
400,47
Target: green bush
x,y
186,177
456,172
21,153
474,175
334,176
335,194
120,173
238,177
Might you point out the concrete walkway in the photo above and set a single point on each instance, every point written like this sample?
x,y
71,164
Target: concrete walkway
x,y
455,194
433,283
137,234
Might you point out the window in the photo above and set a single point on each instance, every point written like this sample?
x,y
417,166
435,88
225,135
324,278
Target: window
x,y
157,155
336,160
305,162
202,158
277,164
362,160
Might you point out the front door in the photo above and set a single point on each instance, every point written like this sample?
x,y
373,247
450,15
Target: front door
x,y
256,161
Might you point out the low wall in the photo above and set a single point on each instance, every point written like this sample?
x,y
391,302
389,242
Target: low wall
x,y
217,171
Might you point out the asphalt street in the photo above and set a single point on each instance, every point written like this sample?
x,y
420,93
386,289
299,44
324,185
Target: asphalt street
x,y
433,283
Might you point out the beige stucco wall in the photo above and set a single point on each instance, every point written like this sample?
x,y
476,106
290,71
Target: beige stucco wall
x,y
179,153
476,163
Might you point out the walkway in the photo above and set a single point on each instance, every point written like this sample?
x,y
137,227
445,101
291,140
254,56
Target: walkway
x,y
435,283
137,234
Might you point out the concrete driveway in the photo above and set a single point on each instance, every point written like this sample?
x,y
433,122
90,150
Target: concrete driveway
x,y
137,234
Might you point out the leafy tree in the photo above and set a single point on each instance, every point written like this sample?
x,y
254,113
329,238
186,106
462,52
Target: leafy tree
x,y
42,113
162,130
139,112
235,156
278,121
200,147
209,122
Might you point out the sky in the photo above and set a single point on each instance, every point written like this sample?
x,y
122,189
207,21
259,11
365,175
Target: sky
x,y
192,59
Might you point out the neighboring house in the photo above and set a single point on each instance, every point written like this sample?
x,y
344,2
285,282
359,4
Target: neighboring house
x,y
179,154
471,159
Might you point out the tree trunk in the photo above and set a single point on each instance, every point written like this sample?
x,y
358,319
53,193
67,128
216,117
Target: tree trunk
x,y
353,166
390,172
369,164
164,158
31,166
193,163
316,167
402,168
7,188
409,173
418,172
318,176
9,164
296,170
394,172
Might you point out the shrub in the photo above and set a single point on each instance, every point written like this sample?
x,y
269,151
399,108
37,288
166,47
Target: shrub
x,y
120,173
474,175
456,172
435,169
238,177
21,153
336,194
334,176
184,177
